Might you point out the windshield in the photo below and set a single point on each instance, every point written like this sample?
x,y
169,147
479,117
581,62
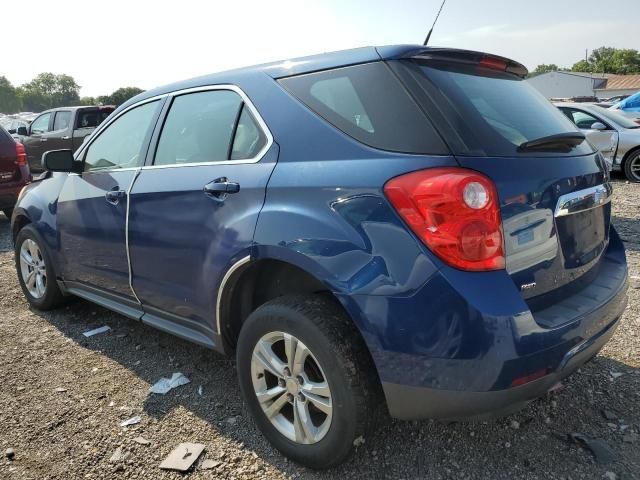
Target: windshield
x,y
487,112
624,122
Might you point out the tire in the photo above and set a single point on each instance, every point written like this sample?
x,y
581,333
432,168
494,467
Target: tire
x,y
43,295
632,167
337,358
8,212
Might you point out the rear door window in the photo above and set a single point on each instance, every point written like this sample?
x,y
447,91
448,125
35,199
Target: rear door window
x,y
208,126
61,120
369,104
484,111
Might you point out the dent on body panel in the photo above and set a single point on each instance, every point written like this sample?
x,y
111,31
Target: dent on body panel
x,y
353,242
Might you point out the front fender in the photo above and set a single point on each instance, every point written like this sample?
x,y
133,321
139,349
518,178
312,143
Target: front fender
x,y
39,204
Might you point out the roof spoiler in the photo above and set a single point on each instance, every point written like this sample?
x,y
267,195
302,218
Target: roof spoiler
x,y
470,57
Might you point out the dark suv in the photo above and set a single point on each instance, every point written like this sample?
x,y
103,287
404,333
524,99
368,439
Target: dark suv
x,y
401,227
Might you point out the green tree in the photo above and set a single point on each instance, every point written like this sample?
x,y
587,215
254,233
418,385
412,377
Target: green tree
x,y
582,66
625,61
9,100
602,59
49,90
88,101
544,68
120,96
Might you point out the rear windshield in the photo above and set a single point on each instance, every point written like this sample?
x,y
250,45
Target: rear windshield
x,y
369,104
92,118
482,111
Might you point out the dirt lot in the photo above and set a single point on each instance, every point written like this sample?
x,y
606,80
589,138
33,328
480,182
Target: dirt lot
x,y
74,433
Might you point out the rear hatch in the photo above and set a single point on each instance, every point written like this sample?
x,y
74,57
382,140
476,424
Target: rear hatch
x,y
553,186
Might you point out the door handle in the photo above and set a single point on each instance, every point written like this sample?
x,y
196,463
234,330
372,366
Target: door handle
x,y
220,187
43,139
114,196
66,137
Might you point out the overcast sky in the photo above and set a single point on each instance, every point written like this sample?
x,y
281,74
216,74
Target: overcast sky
x,y
108,44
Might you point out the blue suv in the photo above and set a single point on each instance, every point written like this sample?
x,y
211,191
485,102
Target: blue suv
x,y
404,229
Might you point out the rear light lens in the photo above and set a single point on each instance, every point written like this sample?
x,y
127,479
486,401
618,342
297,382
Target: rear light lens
x,y
493,63
21,155
455,212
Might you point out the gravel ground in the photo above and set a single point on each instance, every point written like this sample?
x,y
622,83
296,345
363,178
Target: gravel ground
x,y
74,433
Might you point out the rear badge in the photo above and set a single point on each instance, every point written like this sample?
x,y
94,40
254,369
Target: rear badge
x,y
527,286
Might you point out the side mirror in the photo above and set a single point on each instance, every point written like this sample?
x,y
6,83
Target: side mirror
x,y
22,131
11,131
598,126
58,160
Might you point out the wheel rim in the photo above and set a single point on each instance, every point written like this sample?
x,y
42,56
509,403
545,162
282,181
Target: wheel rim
x,y
33,268
634,166
291,388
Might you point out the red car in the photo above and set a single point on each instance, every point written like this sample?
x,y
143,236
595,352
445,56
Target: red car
x,y
14,171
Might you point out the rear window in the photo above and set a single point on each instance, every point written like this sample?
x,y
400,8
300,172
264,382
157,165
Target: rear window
x,y
482,111
92,118
369,104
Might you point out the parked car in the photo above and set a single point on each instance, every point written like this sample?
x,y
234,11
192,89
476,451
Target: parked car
x,y
629,104
351,227
60,128
14,172
615,135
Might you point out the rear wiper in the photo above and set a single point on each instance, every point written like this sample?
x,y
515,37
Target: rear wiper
x,y
558,142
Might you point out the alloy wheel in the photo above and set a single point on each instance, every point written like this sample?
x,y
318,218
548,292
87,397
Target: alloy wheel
x,y
291,388
634,167
33,269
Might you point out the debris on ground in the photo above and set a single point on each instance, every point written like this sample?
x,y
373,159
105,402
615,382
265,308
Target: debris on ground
x,y
118,455
165,385
608,414
142,441
358,441
132,421
182,457
610,476
10,454
630,438
597,446
60,389
200,390
96,331
210,464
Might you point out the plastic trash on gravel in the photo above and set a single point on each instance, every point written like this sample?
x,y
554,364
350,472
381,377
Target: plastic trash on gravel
x,y
132,421
96,331
164,385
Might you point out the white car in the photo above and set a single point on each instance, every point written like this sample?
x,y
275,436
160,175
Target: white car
x,y
617,136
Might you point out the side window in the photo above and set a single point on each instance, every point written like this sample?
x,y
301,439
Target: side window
x,y
88,119
120,145
249,138
583,119
61,120
41,124
200,128
369,104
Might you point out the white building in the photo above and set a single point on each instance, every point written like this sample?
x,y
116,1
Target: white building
x,y
569,84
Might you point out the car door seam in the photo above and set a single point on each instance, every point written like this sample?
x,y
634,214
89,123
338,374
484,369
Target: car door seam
x,y
126,234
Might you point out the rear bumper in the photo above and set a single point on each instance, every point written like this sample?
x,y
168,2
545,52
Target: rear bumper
x,y
409,402
466,345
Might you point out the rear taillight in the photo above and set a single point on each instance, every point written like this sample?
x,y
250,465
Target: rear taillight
x,y
21,155
455,212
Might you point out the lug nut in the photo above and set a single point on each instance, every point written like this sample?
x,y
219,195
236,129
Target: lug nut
x,y
281,382
301,397
300,379
290,397
287,372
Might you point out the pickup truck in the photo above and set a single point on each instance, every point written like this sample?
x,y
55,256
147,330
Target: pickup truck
x,y
59,128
